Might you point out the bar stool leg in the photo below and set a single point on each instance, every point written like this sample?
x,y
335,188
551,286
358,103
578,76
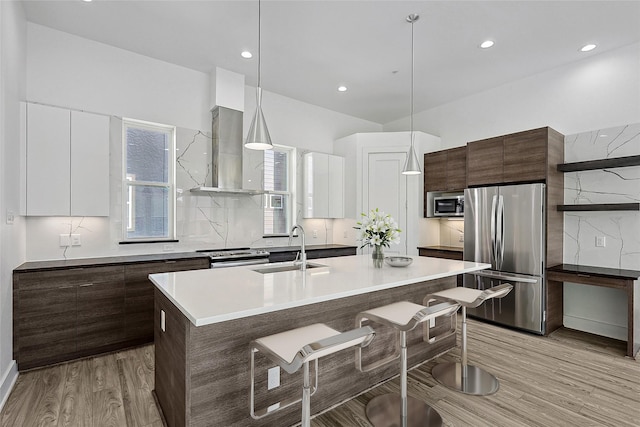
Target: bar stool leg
x,y
306,396
388,409
461,376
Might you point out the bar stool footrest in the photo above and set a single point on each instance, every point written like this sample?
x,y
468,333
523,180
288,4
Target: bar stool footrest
x,y
384,411
477,382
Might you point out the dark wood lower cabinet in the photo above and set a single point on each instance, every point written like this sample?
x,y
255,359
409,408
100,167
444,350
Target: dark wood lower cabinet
x,y
138,303
66,313
282,256
100,315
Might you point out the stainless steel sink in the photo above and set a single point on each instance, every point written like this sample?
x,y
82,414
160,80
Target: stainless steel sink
x,y
286,266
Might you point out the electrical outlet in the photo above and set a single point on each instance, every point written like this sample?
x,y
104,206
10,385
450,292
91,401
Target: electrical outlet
x,y
167,248
65,240
75,240
273,375
315,234
346,234
601,241
461,237
268,243
10,217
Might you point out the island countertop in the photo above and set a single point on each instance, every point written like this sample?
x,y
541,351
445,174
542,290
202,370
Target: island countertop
x,y
218,295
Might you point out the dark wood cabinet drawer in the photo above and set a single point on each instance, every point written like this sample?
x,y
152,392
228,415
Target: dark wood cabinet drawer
x,y
52,279
436,253
283,256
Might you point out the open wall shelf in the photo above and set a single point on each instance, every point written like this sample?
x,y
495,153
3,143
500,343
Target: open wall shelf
x,y
600,207
617,162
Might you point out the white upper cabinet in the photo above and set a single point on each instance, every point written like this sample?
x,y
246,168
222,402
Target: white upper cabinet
x,y
48,160
67,162
323,186
89,164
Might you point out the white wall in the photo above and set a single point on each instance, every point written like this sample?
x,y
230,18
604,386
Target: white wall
x,y
598,92
12,236
72,72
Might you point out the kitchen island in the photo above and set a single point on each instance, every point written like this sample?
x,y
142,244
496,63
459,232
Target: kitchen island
x,y
205,320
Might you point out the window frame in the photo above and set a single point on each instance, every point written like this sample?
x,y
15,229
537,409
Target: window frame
x,y
291,185
128,184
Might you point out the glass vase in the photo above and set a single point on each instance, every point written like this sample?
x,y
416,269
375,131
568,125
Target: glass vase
x,y
377,256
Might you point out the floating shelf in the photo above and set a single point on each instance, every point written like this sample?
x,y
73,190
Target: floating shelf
x,y
600,207
616,162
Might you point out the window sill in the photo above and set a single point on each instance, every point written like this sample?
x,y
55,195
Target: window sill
x,y
133,242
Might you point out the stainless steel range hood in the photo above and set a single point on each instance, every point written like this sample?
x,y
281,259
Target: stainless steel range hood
x,y
227,153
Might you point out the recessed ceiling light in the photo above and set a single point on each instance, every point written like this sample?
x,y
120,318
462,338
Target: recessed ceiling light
x,y
486,44
246,54
342,88
86,1
587,47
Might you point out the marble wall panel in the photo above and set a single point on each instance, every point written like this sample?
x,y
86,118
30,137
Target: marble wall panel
x,y
589,308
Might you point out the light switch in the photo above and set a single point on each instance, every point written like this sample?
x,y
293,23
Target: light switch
x,y
601,241
75,240
10,217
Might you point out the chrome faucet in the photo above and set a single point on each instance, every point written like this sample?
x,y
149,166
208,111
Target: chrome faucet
x,y
303,254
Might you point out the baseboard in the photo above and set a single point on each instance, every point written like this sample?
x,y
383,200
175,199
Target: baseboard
x,y
7,382
598,328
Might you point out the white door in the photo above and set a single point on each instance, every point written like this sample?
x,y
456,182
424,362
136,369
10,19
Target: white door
x,y
385,188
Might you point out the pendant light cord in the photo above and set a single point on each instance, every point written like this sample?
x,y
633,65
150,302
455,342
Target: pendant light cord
x,y
259,37
412,71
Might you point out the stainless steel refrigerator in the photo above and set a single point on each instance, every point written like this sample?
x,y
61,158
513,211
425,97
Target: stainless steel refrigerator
x,y
505,226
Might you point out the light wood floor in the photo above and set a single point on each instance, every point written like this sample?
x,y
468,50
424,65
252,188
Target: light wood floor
x,y
568,379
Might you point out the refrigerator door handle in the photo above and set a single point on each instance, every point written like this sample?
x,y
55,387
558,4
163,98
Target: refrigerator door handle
x,y
500,233
494,251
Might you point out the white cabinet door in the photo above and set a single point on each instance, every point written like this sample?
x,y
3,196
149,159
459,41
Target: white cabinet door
x,y
89,164
48,161
385,188
323,186
336,187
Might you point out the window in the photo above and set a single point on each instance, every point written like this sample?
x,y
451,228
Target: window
x,y
279,170
148,182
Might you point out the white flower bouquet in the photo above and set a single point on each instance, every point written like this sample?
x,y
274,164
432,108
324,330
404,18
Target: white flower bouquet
x,y
378,229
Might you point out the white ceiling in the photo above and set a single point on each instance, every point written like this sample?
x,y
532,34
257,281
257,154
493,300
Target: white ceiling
x,y
310,47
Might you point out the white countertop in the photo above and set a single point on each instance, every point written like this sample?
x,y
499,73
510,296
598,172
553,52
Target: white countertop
x,y
218,295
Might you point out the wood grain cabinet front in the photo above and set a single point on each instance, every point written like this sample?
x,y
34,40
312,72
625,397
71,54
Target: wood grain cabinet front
x,y
58,316
446,170
138,301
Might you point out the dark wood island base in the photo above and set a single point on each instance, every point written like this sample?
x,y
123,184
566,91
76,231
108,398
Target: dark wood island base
x,y
202,374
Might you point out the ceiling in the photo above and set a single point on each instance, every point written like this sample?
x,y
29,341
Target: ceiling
x,y
310,47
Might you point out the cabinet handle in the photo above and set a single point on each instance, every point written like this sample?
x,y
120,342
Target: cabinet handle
x,y
66,287
76,269
86,284
583,275
170,262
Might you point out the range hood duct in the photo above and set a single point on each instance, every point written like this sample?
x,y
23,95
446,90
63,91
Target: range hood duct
x,y
226,148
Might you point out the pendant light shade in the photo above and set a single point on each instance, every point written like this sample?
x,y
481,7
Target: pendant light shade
x,y
412,165
258,137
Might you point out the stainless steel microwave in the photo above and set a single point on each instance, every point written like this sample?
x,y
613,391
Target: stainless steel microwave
x,y
448,206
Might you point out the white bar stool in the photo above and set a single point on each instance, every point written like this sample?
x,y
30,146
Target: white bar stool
x,y
391,409
296,348
461,376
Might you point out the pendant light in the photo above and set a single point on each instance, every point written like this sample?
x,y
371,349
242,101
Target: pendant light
x,y
412,166
258,137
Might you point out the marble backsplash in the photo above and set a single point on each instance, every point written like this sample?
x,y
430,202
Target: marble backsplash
x,y
594,309
203,220
621,229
